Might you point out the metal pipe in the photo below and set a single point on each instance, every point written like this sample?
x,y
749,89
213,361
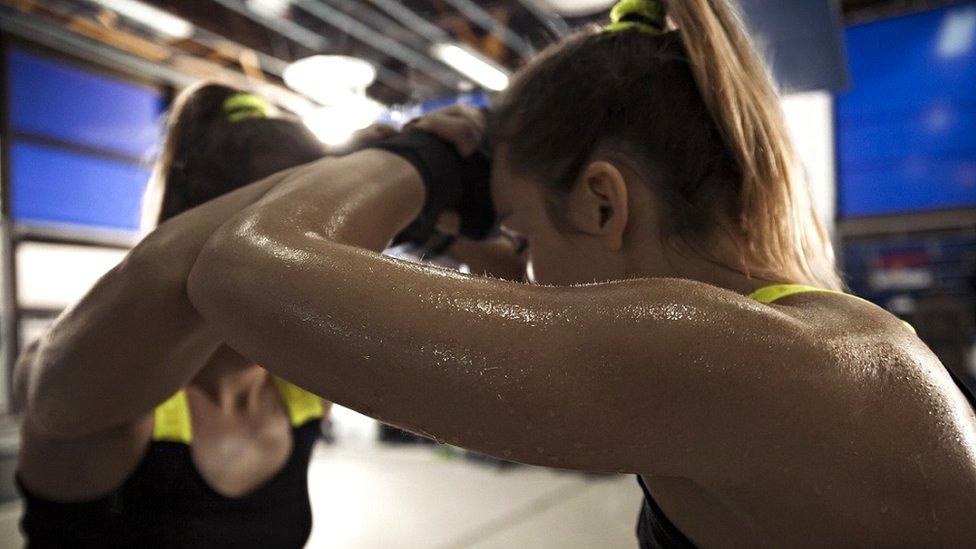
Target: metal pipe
x,y
31,28
292,31
388,46
483,19
310,39
411,20
377,20
552,21
269,63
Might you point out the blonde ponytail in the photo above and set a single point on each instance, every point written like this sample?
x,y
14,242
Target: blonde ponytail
x,y
782,231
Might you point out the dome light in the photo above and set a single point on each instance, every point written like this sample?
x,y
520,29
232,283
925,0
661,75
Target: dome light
x,y
324,77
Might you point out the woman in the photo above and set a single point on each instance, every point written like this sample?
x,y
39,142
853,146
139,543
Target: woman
x,y
683,325
648,169
142,428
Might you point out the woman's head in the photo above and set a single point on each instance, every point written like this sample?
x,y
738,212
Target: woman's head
x,y
677,126
219,139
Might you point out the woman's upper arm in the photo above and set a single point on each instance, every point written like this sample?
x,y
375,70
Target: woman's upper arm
x,y
129,344
22,372
134,338
607,377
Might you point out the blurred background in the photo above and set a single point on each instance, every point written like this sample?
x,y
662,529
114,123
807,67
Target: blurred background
x,y
880,96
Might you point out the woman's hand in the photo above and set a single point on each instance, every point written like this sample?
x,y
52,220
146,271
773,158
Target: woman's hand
x,y
369,135
462,125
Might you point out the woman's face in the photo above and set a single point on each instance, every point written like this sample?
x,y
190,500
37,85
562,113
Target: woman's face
x,y
555,254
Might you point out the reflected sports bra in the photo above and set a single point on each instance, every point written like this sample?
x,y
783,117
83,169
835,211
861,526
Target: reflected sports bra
x,y
654,529
165,502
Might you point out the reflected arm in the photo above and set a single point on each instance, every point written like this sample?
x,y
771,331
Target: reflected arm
x,y
133,339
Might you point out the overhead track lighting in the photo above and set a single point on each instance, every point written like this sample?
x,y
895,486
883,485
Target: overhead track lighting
x,y
160,21
472,64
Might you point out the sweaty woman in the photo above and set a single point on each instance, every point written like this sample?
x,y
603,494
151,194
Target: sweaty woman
x,y
142,428
648,169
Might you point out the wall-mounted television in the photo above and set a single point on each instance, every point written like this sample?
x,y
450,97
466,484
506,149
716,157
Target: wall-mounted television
x,y
906,129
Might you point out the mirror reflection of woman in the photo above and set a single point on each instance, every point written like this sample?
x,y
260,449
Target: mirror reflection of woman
x,y
142,428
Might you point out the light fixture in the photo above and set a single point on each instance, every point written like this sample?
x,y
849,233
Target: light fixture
x,y
471,64
269,8
163,22
329,78
576,8
335,124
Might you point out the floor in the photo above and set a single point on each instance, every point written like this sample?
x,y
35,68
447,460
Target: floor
x,y
376,496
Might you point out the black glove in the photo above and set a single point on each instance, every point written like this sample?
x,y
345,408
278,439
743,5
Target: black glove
x,y
452,182
476,209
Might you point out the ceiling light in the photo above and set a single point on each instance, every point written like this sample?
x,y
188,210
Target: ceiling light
x,y
163,22
326,77
335,124
269,8
576,8
472,64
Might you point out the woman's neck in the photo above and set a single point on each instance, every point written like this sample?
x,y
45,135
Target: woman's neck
x,y
658,260
230,381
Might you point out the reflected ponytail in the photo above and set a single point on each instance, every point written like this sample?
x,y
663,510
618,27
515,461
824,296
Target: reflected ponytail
x,y
218,139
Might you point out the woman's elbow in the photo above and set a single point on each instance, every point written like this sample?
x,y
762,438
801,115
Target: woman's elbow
x,y
50,414
218,277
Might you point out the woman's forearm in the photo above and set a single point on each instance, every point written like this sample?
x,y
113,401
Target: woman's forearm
x,y
363,200
134,338
358,202
294,283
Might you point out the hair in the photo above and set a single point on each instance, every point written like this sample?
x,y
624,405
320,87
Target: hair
x,y
205,154
695,108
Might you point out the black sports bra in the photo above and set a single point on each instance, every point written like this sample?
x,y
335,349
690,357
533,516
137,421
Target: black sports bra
x,y
165,502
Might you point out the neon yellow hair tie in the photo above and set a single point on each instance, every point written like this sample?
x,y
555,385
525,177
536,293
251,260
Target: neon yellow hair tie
x,y
644,15
242,106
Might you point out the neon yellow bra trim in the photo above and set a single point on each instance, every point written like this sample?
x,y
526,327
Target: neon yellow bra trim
x,y
172,418
302,405
775,292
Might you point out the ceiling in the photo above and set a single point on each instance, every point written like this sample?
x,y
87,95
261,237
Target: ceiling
x,y
395,35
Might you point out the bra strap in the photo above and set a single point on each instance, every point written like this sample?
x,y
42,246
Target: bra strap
x,y
771,294
171,420
302,405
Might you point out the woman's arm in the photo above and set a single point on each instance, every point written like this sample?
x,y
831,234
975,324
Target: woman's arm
x,y
610,376
134,339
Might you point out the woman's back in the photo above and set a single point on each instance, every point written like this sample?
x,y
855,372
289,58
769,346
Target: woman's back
x,y
788,480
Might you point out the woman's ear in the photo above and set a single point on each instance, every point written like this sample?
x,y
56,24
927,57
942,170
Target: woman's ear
x,y
598,204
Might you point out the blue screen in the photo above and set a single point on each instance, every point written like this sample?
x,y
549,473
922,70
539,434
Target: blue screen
x,y
55,100
55,186
406,113
78,144
907,128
